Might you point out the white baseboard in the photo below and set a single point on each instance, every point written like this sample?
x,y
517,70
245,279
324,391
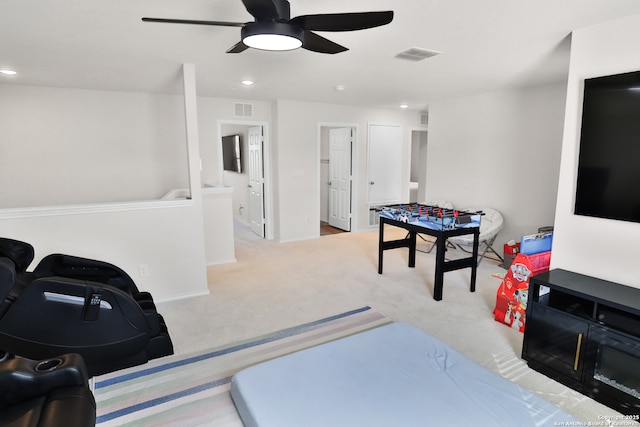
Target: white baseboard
x,y
183,296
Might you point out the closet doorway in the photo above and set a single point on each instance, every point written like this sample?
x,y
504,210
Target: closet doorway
x,y
418,174
336,178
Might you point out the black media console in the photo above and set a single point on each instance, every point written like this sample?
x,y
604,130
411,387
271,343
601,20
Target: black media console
x,y
585,333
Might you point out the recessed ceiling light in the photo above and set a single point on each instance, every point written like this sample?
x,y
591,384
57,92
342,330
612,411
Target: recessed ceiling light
x,y
247,82
340,88
8,72
404,106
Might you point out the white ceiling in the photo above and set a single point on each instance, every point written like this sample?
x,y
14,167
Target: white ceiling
x,y
487,45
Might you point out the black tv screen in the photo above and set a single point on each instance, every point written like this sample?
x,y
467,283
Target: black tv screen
x,y
231,154
608,180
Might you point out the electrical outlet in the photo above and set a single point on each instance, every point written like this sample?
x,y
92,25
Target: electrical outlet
x,y
144,270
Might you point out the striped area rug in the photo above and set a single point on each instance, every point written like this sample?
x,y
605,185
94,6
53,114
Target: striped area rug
x,y
194,389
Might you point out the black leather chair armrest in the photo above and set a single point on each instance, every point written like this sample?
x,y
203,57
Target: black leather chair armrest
x,y
23,379
154,322
21,253
71,406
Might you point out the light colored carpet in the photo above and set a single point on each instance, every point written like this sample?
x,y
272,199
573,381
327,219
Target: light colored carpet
x,y
274,286
194,390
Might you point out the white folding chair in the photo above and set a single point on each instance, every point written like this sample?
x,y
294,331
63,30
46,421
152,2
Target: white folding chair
x,y
491,224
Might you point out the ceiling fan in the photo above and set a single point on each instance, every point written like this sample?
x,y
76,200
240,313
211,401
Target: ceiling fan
x,y
273,28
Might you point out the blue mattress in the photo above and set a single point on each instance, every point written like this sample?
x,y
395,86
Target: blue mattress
x,y
394,375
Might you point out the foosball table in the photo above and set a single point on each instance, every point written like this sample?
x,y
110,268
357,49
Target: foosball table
x,y
437,222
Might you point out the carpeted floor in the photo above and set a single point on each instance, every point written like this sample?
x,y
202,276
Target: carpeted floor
x,y
274,286
193,390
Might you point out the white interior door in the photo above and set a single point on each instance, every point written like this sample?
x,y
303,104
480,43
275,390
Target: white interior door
x,y
385,164
340,178
256,181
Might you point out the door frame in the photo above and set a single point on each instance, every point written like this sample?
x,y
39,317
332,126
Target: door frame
x,y
266,158
404,163
255,169
354,168
422,179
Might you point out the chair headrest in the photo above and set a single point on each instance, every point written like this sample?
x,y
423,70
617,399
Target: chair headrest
x,y
85,269
491,222
493,214
21,253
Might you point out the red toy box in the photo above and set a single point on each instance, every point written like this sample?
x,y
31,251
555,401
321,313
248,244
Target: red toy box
x,y
511,299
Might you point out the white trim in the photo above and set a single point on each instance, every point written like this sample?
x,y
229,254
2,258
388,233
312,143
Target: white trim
x,y
422,189
191,130
43,211
217,190
183,296
223,261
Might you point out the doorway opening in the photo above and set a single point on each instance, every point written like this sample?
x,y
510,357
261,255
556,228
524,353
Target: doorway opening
x,y
336,143
418,173
250,182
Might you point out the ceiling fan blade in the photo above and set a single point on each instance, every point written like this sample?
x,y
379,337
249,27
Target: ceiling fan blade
x,y
238,47
316,43
343,21
266,10
191,21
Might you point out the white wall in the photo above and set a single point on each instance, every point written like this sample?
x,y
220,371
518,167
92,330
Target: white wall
x,y
598,247
297,159
218,230
159,235
166,237
481,151
499,150
211,112
126,146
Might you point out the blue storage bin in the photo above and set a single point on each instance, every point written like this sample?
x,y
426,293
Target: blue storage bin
x,y
536,243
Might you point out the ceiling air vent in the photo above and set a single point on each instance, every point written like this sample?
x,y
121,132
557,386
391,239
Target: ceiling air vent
x,y
424,119
242,110
416,54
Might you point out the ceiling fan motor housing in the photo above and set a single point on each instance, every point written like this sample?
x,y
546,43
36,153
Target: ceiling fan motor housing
x,y
273,28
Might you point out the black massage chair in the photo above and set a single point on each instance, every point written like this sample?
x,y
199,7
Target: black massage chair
x,y
69,304
45,393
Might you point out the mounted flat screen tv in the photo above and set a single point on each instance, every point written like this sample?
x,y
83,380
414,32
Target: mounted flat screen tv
x,y
608,180
231,154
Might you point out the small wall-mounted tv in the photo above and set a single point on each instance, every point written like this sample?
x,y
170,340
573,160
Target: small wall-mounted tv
x,y
609,157
231,153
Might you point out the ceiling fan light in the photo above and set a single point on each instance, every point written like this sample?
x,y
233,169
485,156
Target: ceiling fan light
x,y
272,42
272,36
